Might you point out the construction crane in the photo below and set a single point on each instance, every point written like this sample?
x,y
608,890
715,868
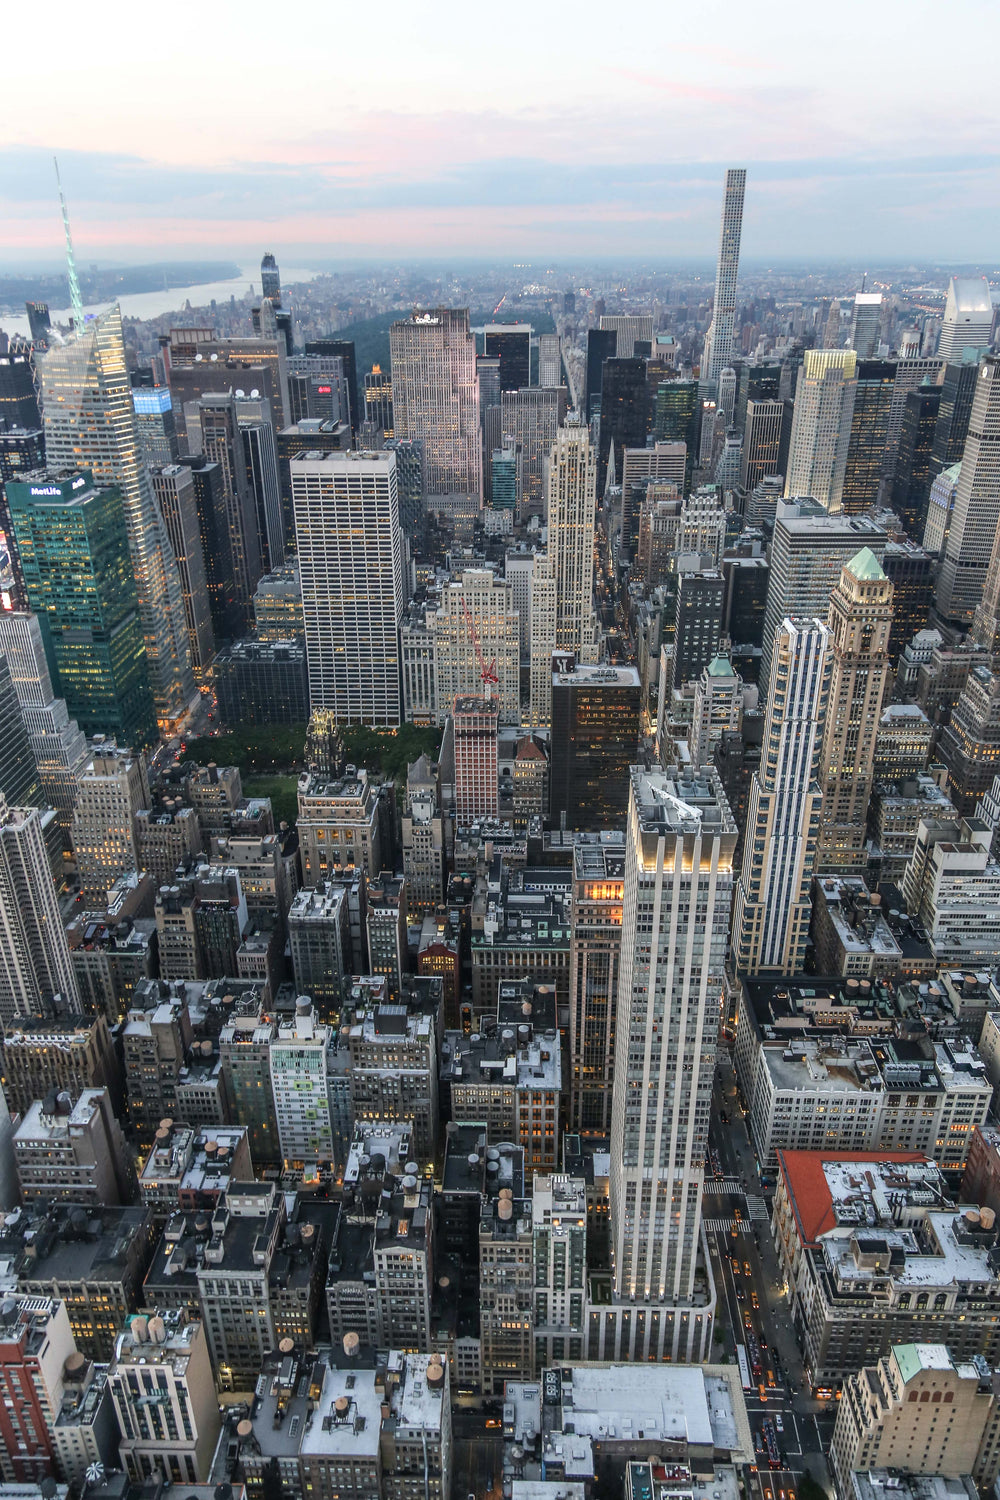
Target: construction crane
x,y
487,673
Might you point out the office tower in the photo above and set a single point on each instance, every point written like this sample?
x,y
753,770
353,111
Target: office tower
x,y
718,709
601,345
821,426
409,484
342,349
35,964
859,623
174,488
300,1065
866,449
476,721
89,421
201,362
911,374
595,958
808,550
510,343
164,1398
722,334
866,324
626,417
18,402
958,387
216,546
260,458
113,788
940,509
477,607
19,780
531,418
57,744
435,397
504,486
595,739
423,836
351,568
698,626
910,569
154,421
772,909
378,401
270,279
729,464
756,383
727,393
629,329
318,390
678,887
831,327
974,522
549,359
764,439
73,1149
39,322
543,638
73,543
677,419
912,481
968,317
262,682
222,443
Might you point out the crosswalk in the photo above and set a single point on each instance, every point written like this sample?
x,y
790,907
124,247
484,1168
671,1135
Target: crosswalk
x,y
758,1208
724,1226
724,1185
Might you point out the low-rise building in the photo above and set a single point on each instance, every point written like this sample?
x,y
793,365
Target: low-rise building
x,y
339,826
191,1166
36,1343
874,1253
164,1397
849,930
74,1150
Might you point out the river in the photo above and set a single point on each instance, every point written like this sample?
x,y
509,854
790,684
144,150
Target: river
x,y
152,304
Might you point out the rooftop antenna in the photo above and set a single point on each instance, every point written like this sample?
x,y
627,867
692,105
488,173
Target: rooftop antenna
x,y
864,278
75,298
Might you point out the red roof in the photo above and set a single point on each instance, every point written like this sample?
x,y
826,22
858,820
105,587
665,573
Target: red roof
x,y
807,1189
528,750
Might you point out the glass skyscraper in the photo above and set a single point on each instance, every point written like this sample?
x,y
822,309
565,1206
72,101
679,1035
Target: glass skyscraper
x,y
73,544
90,423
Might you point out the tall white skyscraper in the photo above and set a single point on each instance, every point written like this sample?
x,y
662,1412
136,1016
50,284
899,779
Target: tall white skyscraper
x,y
821,426
572,489
679,848
976,515
630,329
34,956
549,359
772,909
350,554
435,397
968,317
722,332
90,423
762,435
866,324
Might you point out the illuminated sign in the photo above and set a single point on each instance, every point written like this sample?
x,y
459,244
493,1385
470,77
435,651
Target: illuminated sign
x,y
323,390
48,489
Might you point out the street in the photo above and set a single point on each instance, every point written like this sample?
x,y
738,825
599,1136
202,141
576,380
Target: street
x,y
754,1311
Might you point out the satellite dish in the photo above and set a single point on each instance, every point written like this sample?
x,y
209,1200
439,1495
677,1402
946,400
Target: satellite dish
x,y
255,395
241,395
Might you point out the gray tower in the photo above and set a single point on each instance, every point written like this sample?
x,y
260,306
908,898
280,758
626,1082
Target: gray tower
x,y
721,335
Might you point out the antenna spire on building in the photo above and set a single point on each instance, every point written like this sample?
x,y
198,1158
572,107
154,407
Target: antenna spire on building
x,y
75,297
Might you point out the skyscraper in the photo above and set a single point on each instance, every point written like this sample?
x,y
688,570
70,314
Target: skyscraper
x,y
174,488
154,420
772,909
531,418
90,421
35,964
18,402
976,516
626,417
722,334
435,396
594,959
808,550
57,742
510,343
595,739
260,459
859,623
764,442
968,317
351,567
821,426
222,443
601,345
866,324
629,329
18,773
343,349
678,885
270,278
73,544
549,359
876,380
958,387
912,482
476,777
216,545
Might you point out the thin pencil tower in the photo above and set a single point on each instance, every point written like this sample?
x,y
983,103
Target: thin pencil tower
x,y
75,296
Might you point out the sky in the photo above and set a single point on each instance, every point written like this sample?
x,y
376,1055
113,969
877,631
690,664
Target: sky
x,y
390,129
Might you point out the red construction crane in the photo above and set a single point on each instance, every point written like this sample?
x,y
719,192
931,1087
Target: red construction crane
x,y
487,674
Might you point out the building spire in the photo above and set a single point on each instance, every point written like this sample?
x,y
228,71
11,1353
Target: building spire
x,y
75,297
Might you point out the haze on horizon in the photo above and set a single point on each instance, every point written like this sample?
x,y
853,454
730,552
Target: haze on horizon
x,y
530,131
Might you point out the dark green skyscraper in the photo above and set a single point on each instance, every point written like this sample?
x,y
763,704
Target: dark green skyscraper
x,y
677,419
78,575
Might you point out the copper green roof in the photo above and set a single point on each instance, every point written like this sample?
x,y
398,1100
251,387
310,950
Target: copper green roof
x,y
865,566
721,667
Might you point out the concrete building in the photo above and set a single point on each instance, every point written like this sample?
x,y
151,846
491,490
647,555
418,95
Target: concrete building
x,y
435,394
319,935
300,1066
968,317
821,426
74,1151
423,836
596,713
771,913
164,1398
595,958
559,1226
338,826
36,1345
875,1254
976,514
718,709
112,789
35,965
